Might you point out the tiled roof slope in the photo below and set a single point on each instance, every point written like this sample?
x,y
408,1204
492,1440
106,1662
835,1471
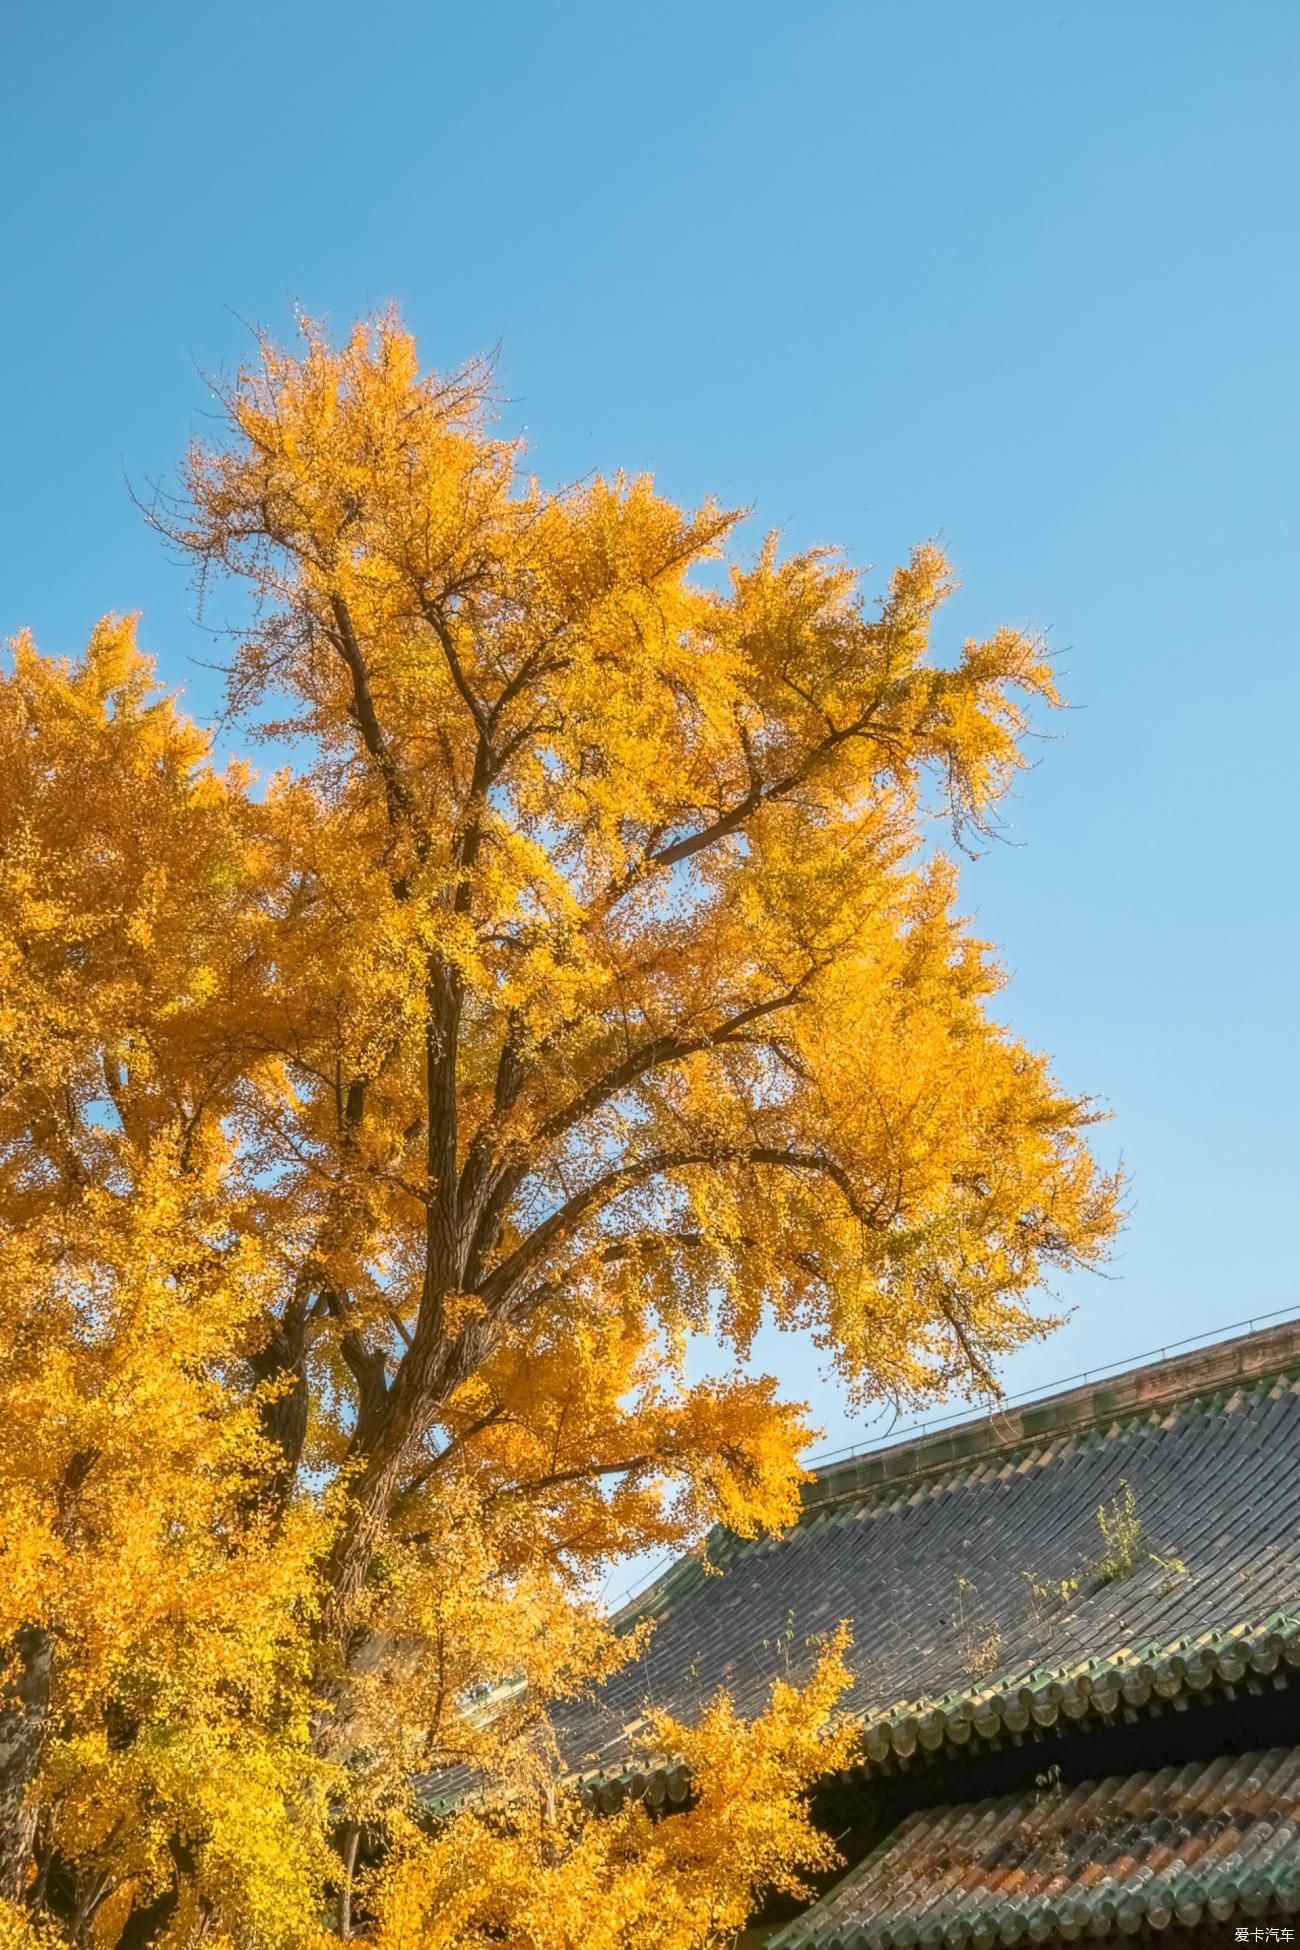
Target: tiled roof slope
x,y
1185,1846
949,1555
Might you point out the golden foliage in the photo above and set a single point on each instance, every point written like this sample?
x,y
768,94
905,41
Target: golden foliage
x,y
533,1880
374,1142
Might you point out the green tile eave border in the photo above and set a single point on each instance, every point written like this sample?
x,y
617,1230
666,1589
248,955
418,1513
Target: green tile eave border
x,y
1125,1682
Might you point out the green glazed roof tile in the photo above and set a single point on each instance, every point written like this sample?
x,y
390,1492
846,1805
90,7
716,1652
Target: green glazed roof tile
x,y
1208,1840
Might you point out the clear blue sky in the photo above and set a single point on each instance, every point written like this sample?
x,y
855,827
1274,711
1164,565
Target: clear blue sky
x,y
1024,275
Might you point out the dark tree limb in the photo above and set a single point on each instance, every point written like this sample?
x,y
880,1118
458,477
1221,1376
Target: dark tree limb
x,y
28,1662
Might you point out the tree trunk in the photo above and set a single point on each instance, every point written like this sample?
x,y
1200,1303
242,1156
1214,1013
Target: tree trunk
x,y
429,1375
350,1842
24,1711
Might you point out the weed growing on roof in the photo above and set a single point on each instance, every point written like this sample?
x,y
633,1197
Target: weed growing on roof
x,y
980,1656
1172,1568
1049,1593
978,1650
783,1641
1125,1544
1125,1547
1123,1536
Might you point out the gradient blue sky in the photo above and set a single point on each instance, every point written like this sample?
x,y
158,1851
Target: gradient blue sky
x,y
1021,275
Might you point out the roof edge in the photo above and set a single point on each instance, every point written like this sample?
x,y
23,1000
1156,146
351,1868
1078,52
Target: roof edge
x,y
1159,1384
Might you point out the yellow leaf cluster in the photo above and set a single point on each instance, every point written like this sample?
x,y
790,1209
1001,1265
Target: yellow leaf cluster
x,y
546,1879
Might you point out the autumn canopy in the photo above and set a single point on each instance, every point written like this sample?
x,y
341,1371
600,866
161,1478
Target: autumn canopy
x,y
375,1136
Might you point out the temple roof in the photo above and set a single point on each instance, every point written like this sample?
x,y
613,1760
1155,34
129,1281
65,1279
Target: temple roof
x,y
983,1593
1209,1842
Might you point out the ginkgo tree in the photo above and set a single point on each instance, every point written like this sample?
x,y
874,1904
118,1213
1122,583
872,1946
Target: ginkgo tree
x,y
376,1138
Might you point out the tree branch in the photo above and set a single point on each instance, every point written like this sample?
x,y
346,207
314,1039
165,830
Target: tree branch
x,y
591,1472
669,1048
363,710
760,793
437,622
498,1289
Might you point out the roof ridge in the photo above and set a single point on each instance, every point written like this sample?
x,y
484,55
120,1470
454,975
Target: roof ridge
x,y
1245,1363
